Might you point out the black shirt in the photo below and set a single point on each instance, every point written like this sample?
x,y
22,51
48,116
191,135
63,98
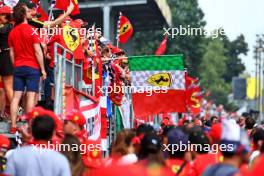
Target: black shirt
x,y
4,32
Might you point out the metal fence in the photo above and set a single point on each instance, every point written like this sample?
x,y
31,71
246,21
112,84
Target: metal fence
x,y
66,72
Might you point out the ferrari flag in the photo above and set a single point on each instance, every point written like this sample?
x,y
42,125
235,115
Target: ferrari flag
x,y
157,84
63,5
125,29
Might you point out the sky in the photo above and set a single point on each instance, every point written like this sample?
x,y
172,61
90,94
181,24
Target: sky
x,y
236,17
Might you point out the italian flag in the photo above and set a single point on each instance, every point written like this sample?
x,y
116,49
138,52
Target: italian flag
x,y
157,84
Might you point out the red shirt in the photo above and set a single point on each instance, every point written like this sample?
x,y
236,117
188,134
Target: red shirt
x,y
201,163
175,164
22,38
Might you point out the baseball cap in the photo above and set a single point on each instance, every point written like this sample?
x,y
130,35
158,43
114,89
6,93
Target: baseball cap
x,y
37,111
76,117
80,23
151,143
233,135
6,10
215,133
115,50
177,136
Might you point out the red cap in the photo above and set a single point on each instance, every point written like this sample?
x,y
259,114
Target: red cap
x,y
215,132
76,117
6,10
37,111
115,50
4,142
80,23
93,157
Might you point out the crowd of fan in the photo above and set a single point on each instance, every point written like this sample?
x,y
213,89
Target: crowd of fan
x,y
26,58
213,147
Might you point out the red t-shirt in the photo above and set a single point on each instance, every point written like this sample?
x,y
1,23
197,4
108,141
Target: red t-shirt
x,y
22,38
201,163
175,164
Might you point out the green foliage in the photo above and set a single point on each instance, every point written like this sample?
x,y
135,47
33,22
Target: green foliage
x,y
212,68
184,12
233,50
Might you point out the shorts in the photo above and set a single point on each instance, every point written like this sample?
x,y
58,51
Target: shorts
x,y
6,66
26,77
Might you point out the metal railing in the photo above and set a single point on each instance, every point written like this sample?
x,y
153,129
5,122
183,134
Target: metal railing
x,y
66,72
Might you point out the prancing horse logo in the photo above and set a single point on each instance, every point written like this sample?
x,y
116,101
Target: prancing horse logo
x,y
71,37
160,80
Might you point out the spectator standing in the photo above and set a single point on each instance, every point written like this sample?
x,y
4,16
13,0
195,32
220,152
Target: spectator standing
x,y
6,67
236,150
27,57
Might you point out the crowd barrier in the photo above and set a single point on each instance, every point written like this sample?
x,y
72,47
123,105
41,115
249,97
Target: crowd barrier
x,y
66,72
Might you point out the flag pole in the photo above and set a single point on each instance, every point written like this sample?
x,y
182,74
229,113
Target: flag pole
x,y
93,63
52,4
118,30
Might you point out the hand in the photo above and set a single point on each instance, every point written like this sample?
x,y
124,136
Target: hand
x,y
70,8
48,23
44,74
26,136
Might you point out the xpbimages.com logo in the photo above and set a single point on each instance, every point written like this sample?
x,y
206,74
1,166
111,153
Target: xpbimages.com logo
x,y
192,31
66,31
215,148
82,148
117,89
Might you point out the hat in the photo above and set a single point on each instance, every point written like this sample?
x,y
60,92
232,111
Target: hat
x,y
233,136
4,143
177,136
6,10
92,158
151,143
80,22
76,117
215,132
37,111
166,122
115,50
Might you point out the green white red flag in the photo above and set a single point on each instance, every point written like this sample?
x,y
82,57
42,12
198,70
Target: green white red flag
x,y
157,84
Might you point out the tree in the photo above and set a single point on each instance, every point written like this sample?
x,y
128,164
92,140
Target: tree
x,y
184,12
212,68
233,50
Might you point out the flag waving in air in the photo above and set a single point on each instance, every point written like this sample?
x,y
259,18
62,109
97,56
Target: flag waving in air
x,y
162,48
193,95
125,29
158,84
63,5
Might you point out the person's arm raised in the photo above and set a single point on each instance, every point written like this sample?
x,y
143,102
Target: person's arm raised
x,y
61,18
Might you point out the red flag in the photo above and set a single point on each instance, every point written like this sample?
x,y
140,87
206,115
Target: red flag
x,y
63,5
71,39
35,1
193,95
162,48
125,29
43,15
76,9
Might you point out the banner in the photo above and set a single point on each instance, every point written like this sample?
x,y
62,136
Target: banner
x,y
124,110
92,114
